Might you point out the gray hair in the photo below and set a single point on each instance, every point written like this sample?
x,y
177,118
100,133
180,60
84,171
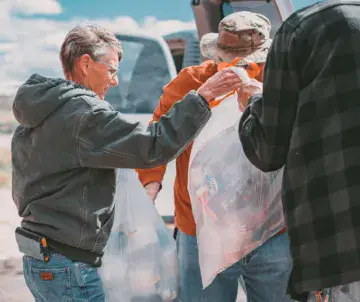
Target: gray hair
x,y
88,39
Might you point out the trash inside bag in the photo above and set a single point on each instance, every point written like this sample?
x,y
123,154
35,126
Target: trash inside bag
x,y
140,260
236,206
342,293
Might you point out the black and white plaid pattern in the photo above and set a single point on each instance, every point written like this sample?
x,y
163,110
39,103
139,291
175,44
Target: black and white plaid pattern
x,y
308,119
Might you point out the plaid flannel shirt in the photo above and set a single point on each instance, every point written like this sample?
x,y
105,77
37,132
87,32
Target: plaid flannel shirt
x,y
308,120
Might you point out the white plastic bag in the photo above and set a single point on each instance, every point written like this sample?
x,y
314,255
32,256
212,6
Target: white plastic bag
x,y
140,260
236,206
342,293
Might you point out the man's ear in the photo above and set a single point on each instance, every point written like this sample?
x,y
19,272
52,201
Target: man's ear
x,y
84,63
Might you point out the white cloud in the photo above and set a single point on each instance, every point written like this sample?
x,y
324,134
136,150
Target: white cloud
x,y
152,25
4,47
30,45
30,7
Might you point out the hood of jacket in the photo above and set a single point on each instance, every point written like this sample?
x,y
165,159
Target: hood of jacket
x,y
39,97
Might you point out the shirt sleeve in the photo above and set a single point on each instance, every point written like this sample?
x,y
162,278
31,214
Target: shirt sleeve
x,y
267,123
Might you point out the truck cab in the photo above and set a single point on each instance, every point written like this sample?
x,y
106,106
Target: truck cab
x,y
184,47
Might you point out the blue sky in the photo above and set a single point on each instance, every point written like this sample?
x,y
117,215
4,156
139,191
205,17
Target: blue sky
x,y
31,31
137,9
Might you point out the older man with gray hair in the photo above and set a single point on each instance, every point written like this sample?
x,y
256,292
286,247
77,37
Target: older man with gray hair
x,y
64,153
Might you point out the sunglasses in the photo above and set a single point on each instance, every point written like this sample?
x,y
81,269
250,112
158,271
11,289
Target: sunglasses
x,y
112,71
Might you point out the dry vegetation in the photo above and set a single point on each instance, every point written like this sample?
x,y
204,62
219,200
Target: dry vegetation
x,y
7,122
7,127
5,167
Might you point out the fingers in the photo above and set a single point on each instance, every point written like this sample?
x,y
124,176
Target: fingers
x,y
230,75
228,80
246,92
236,84
241,107
221,83
227,86
224,76
152,195
152,190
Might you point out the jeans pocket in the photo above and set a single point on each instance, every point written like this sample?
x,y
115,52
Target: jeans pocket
x,y
50,284
88,283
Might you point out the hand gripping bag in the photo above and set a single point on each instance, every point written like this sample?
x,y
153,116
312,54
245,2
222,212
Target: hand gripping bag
x,y
140,259
236,206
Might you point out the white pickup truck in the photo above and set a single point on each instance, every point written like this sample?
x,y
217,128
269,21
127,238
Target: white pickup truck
x,y
150,62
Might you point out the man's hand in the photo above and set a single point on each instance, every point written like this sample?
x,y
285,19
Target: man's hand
x,y
246,91
219,84
152,190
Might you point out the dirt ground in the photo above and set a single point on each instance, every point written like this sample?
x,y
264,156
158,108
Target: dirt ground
x,y
12,284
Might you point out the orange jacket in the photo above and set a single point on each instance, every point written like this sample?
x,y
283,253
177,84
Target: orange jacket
x,y
190,78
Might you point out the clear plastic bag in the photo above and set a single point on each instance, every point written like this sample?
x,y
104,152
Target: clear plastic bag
x,y
236,206
140,260
343,293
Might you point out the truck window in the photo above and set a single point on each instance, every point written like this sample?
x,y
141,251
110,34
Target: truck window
x,y
143,73
268,9
177,48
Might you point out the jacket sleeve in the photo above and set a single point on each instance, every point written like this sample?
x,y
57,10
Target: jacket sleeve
x,y
189,78
107,139
267,123
157,173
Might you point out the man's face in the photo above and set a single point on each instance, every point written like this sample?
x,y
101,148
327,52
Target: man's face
x,y
102,73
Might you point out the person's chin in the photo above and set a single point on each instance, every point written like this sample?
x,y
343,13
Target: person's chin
x,y
101,96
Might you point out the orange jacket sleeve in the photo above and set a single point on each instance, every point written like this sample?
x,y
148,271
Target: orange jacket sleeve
x,y
190,78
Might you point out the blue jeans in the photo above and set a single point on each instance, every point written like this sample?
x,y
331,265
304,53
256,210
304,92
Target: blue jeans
x,y
265,273
62,279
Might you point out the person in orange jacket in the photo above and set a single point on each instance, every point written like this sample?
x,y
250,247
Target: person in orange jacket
x,y
266,270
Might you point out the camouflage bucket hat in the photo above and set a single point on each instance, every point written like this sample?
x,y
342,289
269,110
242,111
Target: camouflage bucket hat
x,y
241,34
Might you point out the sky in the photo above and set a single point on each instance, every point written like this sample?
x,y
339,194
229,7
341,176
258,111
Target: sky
x,y
137,9
31,31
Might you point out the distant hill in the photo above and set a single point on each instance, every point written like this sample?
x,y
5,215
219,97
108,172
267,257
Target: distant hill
x,y
8,123
6,101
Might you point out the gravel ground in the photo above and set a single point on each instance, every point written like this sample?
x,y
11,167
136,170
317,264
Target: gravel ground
x,y
12,284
